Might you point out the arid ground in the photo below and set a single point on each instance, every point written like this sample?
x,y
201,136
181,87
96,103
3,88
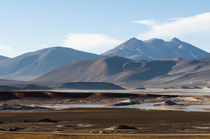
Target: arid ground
x,y
72,113
106,121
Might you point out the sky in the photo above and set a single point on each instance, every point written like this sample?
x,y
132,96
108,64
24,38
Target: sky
x,y
99,25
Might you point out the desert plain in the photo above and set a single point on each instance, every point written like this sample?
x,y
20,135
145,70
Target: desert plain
x,y
116,113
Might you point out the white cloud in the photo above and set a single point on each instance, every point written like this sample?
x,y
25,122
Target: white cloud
x,y
6,50
96,43
208,51
179,27
148,22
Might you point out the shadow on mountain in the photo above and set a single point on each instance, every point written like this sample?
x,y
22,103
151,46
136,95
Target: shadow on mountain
x,y
149,69
90,85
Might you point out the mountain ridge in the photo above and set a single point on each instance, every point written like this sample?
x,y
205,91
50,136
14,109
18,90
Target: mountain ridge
x,y
33,64
3,58
134,74
155,49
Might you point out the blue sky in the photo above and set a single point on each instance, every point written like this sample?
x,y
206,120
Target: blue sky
x,y
98,25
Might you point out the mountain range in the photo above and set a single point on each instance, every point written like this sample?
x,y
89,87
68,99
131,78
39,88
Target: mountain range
x,y
156,49
135,74
34,64
67,66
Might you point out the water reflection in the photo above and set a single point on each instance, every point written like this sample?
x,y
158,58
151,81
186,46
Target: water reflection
x,y
143,106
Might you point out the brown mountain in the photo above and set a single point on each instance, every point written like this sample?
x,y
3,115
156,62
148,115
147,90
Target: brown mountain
x,y
131,74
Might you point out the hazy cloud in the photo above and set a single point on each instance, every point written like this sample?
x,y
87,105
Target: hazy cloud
x,y
148,22
96,43
6,50
178,27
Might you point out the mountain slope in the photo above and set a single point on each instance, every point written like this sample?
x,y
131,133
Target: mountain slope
x,y
97,70
156,49
33,64
134,74
4,58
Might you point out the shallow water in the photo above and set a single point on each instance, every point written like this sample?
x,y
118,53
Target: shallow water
x,y
184,94
178,92
63,106
204,108
143,106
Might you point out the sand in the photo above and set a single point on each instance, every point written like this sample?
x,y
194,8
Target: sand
x,y
103,121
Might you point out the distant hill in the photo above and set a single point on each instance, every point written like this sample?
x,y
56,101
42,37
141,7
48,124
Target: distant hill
x,y
90,85
34,64
97,70
4,58
134,74
156,49
27,85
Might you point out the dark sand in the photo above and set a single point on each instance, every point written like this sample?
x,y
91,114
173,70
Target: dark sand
x,y
106,121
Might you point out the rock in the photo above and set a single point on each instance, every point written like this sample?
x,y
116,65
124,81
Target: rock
x,y
126,102
46,120
169,102
94,131
142,88
124,127
15,129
